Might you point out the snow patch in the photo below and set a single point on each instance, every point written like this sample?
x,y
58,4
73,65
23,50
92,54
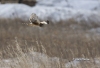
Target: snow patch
x,y
78,62
54,13
95,30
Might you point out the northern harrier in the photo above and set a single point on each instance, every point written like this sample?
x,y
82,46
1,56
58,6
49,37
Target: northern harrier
x,y
34,21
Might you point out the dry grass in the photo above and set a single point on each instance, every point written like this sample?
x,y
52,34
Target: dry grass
x,y
65,40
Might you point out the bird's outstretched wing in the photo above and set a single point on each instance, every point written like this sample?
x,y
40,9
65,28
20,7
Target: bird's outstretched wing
x,y
34,19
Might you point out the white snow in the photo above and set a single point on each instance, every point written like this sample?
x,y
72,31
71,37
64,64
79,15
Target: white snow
x,y
95,30
55,10
78,62
36,60
31,60
76,4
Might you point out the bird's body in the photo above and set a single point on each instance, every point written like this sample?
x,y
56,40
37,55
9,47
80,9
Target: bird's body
x,y
34,21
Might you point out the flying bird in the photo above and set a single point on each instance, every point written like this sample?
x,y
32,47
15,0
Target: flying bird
x,y
34,21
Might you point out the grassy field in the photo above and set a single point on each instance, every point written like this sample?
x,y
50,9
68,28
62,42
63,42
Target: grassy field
x,y
65,40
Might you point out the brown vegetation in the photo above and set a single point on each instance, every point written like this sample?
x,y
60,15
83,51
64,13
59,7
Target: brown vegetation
x,y
66,39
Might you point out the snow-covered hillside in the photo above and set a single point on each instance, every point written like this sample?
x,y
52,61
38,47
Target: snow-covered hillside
x,y
55,10
75,4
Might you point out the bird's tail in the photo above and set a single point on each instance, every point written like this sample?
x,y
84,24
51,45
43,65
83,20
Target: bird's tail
x,y
43,23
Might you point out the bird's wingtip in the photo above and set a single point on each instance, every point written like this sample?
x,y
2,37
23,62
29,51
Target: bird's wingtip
x,y
47,21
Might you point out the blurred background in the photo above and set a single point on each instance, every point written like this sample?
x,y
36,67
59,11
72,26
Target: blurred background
x,y
71,40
